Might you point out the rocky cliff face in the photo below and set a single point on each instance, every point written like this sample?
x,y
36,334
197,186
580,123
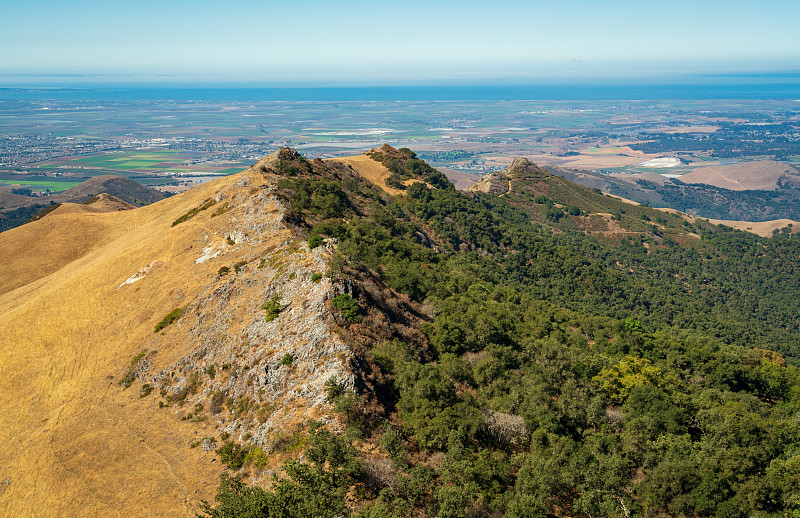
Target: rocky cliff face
x,y
254,374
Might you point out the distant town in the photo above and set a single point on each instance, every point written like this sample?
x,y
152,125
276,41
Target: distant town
x,y
46,146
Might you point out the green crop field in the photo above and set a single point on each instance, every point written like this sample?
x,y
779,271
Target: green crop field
x,y
53,185
132,161
233,170
604,150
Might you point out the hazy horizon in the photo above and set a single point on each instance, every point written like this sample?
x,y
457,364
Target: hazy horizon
x,y
362,44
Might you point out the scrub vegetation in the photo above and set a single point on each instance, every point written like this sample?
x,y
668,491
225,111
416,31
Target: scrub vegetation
x,y
651,373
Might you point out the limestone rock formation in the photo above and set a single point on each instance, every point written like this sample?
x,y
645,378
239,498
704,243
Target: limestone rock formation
x,y
499,182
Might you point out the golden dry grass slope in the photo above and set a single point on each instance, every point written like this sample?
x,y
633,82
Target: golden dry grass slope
x,y
81,293
374,171
762,175
761,228
370,170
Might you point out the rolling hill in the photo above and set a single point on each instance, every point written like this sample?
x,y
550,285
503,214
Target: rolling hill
x,y
763,175
735,203
16,210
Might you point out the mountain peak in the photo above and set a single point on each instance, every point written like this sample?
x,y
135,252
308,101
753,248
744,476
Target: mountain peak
x,y
521,167
499,182
385,148
287,153
521,161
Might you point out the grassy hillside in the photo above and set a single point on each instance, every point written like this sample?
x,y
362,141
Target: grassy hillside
x,y
136,343
707,201
72,442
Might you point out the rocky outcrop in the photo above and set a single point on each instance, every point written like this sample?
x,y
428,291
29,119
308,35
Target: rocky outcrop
x,y
499,182
253,375
521,167
493,183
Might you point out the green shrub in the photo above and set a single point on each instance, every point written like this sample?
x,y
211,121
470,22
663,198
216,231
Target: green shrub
x,y
345,402
332,388
145,390
257,457
239,406
236,456
392,444
286,168
314,242
171,317
189,215
287,359
273,306
223,271
395,182
348,306
320,196
316,277
319,487
226,207
130,375
632,324
232,454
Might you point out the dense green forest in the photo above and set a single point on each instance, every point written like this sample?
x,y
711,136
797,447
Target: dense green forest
x,y
13,218
567,373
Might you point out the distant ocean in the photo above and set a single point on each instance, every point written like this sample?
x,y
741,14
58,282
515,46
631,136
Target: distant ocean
x,y
740,87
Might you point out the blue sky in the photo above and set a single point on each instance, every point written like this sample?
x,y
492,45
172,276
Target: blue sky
x,y
359,42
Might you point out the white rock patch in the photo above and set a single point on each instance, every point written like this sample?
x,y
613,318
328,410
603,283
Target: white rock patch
x,y
209,252
138,276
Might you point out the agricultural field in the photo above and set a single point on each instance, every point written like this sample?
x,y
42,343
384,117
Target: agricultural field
x,y
54,185
178,143
153,168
